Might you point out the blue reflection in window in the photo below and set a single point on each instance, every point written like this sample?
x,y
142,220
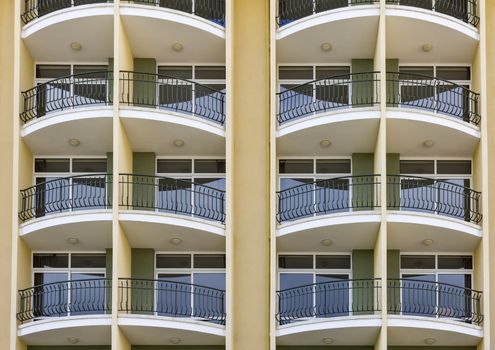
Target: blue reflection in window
x,y
332,295
419,293
174,295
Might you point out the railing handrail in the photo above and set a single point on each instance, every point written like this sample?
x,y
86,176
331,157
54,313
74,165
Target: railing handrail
x,y
63,282
329,283
31,13
329,179
188,182
331,78
429,78
434,282
445,181
65,178
70,76
172,282
162,76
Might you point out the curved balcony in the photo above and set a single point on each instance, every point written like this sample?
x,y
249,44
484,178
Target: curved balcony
x,y
324,109
341,209
162,207
75,106
334,309
157,108
160,309
35,9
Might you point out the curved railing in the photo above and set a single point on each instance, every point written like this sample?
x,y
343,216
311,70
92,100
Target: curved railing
x,y
291,10
329,299
68,298
322,95
329,196
432,94
172,299
466,10
163,194
38,8
173,94
72,91
437,196
212,10
73,193
434,299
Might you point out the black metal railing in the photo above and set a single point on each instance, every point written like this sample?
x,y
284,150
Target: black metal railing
x,y
329,196
68,298
291,10
172,299
322,95
174,94
37,8
434,299
72,91
429,93
465,10
329,299
212,10
183,197
437,196
73,193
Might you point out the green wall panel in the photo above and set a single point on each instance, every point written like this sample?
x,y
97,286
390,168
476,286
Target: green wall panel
x,y
325,347
110,83
144,87
184,347
75,347
108,273
393,188
143,190
363,294
109,179
392,66
363,86
431,347
393,271
363,194
143,267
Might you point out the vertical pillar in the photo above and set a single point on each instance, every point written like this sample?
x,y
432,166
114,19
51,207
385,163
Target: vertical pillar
x,y
248,173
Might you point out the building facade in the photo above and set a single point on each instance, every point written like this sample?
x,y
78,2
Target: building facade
x,y
231,174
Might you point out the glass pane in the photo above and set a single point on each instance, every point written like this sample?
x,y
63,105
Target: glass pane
x,y
46,71
454,198
419,295
174,295
50,294
89,192
417,262
209,102
426,71
453,100
52,165
332,196
454,297
89,165
333,261
327,5
291,10
332,295
88,260
52,195
173,261
295,73
296,101
418,195
325,72
417,167
175,95
331,94
333,166
455,262
79,69
50,260
211,166
174,195
296,303
87,292
210,72
454,167
295,166
171,166
209,303
182,72
295,262
454,73
209,261
296,199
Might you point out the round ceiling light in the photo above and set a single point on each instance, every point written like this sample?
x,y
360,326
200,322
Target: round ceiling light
x,y
177,47
427,242
326,242
72,240
327,341
175,340
75,46
428,143
74,142
325,47
179,143
427,47
430,341
175,241
73,340
325,143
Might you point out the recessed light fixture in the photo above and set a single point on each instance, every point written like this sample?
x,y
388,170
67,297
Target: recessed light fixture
x,y
326,242
177,47
179,143
175,340
74,142
325,143
430,341
427,242
325,47
427,47
72,240
327,341
75,46
73,340
428,143
175,241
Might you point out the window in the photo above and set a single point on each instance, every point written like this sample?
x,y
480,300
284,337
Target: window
x,y
64,184
191,284
323,282
436,285
70,283
438,186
